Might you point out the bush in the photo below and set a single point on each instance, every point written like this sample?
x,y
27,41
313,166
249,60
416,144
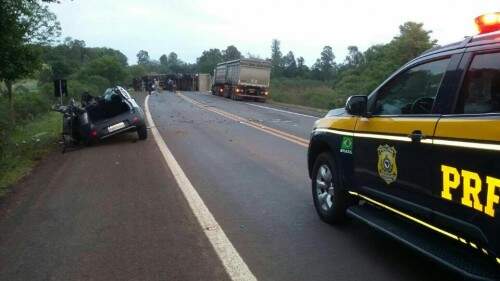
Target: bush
x,y
28,105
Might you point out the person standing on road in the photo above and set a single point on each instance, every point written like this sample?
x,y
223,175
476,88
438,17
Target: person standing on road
x,y
157,86
151,87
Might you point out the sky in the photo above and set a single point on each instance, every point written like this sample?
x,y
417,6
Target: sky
x,y
191,26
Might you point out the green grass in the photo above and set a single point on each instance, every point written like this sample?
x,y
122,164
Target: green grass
x,y
26,145
305,92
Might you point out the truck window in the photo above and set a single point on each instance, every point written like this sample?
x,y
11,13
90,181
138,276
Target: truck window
x,y
412,91
481,89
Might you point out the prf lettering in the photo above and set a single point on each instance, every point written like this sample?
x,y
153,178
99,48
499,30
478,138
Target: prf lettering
x,y
472,185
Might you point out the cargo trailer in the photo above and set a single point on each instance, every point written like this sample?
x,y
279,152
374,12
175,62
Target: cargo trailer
x,y
242,79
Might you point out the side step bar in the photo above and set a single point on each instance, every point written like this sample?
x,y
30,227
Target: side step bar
x,y
451,254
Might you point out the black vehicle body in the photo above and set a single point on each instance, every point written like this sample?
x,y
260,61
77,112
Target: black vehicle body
x,y
430,149
113,113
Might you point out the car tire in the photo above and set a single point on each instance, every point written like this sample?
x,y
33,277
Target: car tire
x,y
330,198
142,132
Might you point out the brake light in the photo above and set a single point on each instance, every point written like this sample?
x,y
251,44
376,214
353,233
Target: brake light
x,y
488,23
93,133
135,119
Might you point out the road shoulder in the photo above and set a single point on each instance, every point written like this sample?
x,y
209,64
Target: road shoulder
x,y
108,212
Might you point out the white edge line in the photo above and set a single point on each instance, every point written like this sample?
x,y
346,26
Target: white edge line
x,y
234,265
281,110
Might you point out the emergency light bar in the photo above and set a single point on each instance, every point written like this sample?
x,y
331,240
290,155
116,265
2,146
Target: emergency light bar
x,y
488,23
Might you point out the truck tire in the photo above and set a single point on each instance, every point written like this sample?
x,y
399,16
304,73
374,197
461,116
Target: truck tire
x,y
142,132
330,198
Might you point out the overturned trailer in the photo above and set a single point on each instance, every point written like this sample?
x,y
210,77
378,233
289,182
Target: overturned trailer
x,y
173,82
243,78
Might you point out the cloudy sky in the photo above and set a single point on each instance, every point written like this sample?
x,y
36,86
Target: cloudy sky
x,y
188,27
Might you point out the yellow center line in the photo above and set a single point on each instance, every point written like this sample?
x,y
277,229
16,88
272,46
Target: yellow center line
x,y
250,123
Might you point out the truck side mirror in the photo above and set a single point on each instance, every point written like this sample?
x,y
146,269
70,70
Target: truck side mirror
x,y
357,105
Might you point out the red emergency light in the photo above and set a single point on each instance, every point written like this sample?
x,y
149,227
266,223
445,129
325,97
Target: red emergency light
x,y
488,23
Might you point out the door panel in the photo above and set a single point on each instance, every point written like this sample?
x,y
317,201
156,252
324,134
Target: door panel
x,y
395,166
466,172
466,164
393,147
399,125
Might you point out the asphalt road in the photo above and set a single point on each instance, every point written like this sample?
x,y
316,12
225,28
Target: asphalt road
x,y
115,212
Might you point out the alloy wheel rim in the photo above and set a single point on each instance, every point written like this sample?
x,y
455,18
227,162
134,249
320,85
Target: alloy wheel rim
x,y
325,187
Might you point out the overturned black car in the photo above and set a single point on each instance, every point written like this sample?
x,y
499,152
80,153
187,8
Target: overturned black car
x,y
98,118
113,113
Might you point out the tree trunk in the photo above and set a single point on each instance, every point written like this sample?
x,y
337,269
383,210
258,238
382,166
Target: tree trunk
x,y
8,83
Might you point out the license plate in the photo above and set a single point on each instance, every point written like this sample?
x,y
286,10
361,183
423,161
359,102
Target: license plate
x,y
115,127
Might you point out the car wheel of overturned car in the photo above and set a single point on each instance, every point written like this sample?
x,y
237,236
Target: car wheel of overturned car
x,y
142,132
330,198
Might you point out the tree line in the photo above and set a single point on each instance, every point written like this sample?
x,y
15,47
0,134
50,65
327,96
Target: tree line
x,y
359,72
28,31
172,64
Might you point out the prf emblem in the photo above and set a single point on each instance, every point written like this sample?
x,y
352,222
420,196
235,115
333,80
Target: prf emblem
x,y
387,168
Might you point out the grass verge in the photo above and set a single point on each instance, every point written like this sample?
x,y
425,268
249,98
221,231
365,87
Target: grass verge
x,y
305,92
26,145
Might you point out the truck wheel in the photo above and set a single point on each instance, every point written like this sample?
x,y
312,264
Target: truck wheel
x,y
330,198
142,132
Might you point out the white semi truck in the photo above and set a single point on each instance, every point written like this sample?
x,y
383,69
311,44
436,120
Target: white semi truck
x,y
242,79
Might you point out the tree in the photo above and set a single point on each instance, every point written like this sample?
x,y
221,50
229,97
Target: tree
x,y
302,69
290,65
163,67
208,60
23,25
327,64
174,63
354,58
276,58
108,67
143,57
173,59
137,71
316,70
164,60
412,41
231,53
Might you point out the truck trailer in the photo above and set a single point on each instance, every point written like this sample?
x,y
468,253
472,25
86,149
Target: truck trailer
x,y
242,79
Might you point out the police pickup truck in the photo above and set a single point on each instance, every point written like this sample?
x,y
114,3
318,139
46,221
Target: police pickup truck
x,y
419,158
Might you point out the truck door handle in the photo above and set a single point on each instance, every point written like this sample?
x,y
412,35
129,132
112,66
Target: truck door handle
x,y
416,136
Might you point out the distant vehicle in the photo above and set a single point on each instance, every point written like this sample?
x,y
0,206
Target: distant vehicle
x,y
242,79
419,158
